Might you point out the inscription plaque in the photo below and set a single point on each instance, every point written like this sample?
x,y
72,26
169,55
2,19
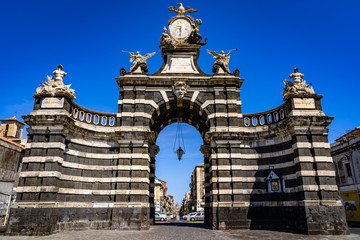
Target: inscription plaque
x,y
180,64
307,103
52,102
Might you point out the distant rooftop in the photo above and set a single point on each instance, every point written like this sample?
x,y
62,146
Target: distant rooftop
x,y
350,135
12,142
12,119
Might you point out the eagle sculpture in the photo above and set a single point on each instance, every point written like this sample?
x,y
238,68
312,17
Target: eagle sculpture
x,y
181,10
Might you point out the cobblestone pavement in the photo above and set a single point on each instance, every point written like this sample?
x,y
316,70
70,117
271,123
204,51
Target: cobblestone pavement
x,y
182,230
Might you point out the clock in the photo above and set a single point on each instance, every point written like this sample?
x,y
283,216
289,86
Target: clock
x,y
180,28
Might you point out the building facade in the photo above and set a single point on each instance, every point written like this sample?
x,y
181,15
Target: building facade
x,y
11,153
89,169
11,128
346,155
197,188
160,199
186,204
170,204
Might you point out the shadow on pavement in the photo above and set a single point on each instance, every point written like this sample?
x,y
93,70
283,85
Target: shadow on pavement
x,y
354,224
183,224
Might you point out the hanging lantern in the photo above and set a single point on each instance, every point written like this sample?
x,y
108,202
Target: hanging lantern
x,y
179,152
178,141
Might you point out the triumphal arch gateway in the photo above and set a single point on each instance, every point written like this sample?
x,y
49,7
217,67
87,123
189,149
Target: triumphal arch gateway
x,y
87,169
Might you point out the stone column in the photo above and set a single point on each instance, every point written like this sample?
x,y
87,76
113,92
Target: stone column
x,y
230,197
321,211
138,187
153,151
38,186
206,150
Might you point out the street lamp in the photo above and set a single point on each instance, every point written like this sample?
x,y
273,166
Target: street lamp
x,y
179,152
179,140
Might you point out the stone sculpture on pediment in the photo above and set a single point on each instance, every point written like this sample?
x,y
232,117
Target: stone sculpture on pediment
x,y
181,10
122,71
195,36
139,64
221,62
299,86
55,86
167,40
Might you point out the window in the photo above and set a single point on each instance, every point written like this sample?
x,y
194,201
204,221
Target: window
x,y
348,169
6,130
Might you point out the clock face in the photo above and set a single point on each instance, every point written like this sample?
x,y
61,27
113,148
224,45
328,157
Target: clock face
x,y
180,28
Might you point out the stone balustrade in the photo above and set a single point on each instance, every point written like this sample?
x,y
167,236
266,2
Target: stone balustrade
x,y
266,118
92,117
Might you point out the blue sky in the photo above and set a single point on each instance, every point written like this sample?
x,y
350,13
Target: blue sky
x,y
321,38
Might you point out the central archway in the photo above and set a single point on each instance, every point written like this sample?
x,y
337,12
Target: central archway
x,y
184,179
179,111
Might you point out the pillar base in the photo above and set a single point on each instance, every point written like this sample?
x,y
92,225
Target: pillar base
x,y
45,221
314,220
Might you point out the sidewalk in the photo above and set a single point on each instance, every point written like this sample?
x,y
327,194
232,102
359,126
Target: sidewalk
x,y
179,231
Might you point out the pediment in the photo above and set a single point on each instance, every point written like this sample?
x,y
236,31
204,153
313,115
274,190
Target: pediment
x,y
272,176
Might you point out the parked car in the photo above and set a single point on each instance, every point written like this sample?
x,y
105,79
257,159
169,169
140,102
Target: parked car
x,y
192,214
160,217
197,217
163,215
185,217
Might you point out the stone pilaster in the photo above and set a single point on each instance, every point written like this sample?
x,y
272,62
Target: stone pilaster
x,y
206,150
322,211
44,150
153,151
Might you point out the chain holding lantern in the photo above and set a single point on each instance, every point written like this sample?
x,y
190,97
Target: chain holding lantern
x,y
178,141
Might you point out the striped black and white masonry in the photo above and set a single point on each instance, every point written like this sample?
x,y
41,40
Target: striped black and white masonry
x,y
87,169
